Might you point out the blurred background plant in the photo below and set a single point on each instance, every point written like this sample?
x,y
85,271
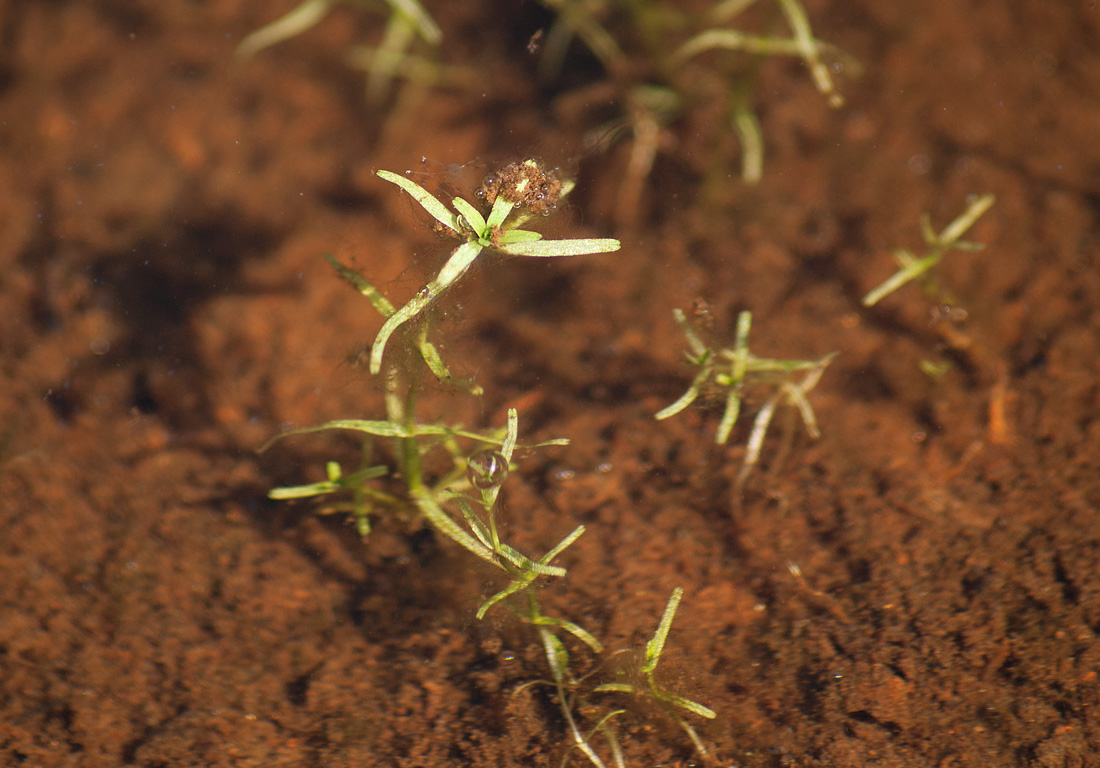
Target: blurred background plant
x,y
666,61
662,66
406,51
939,318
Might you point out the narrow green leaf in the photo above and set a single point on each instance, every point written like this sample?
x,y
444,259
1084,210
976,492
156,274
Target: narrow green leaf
x,y
509,444
728,9
797,395
445,525
303,491
685,399
427,200
384,429
656,646
285,27
519,236
729,417
732,40
511,589
615,688
691,706
556,655
741,347
581,634
927,233
455,267
474,522
553,248
698,348
555,441
755,443
472,215
381,304
380,428
747,127
810,50
576,534
726,39
530,568
438,368
957,228
501,208
427,27
901,277
904,257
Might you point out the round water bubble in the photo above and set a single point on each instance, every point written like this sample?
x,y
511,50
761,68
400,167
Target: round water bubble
x,y
486,469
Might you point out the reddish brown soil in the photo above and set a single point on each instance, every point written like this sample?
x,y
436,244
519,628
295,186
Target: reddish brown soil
x,y
164,309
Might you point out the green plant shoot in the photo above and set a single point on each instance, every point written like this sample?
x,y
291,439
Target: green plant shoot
x,y
408,20
913,268
735,369
516,193
667,699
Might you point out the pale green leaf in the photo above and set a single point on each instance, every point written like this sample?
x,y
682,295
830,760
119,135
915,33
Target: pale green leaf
x,y
553,248
519,236
427,200
472,215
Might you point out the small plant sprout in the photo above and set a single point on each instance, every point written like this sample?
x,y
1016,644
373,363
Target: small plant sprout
x,y
736,369
668,700
407,21
516,193
914,268
557,659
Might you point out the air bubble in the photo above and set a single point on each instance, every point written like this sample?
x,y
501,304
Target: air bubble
x,y
486,469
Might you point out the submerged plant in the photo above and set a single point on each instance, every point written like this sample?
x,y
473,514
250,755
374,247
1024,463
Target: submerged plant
x,y
666,62
473,482
801,44
912,267
945,315
735,369
392,57
461,499
669,701
516,193
571,694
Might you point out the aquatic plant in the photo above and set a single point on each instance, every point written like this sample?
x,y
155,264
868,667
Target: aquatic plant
x,y
460,501
394,56
912,267
516,193
946,314
665,62
732,370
